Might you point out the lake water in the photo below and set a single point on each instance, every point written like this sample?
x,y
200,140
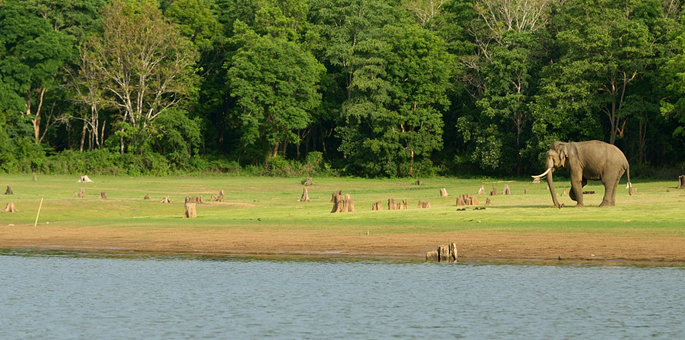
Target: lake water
x,y
72,296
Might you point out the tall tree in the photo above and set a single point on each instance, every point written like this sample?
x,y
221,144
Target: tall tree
x,y
33,54
144,63
605,46
275,85
500,66
393,120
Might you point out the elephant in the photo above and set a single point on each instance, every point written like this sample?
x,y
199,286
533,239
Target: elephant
x,y
589,160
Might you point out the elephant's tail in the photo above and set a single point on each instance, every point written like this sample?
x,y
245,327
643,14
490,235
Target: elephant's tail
x,y
630,185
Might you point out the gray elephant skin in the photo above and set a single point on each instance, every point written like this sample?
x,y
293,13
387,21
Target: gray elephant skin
x,y
589,160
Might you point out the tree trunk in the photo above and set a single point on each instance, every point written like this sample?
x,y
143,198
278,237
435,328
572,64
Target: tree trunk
x,y
83,135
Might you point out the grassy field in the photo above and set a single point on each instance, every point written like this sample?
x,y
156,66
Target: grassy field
x,y
260,204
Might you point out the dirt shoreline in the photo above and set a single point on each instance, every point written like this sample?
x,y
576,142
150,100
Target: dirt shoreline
x,y
472,245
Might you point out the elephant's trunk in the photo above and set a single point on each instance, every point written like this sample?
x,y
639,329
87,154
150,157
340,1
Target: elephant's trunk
x,y
550,183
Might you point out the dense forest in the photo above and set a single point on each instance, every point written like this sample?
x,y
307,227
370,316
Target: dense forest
x,y
389,88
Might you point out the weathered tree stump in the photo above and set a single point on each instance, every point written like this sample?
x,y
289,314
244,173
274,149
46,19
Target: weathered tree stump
x,y
424,205
82,193
481,191
190,211
681,182
10,208
103,195
536,180
392,205
147,197
419,182
84,179
525,191
443,192
445,253
506,190
404,204
453,252
377,206
342,203
165,200
198,199
633,191
494,191
305,196
308,181
191,199
9,191
219,197
467,199
488,202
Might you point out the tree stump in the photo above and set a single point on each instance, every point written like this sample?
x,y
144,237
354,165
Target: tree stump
x,y
308,181
191,199
35,178
681,182
445,253
82,193
481,191
536,180
633,191
165,200
443,192
506,190
305,196
190,211
525,191
392,205
460,201
488,202
147,197
342,203
424,205
219,197
103,195
84,179
494,191
10,208
564,193
404,204
9,191
419,182
453,252
377,206
198,199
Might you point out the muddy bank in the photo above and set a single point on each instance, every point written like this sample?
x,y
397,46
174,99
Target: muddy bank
x,y
472,245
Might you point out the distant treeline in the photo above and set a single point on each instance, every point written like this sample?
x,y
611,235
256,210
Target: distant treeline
x,y
350,87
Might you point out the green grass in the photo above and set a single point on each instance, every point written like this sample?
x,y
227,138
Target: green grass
x,y
260,203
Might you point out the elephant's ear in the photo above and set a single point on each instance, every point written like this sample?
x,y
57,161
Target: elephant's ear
x,y
561,150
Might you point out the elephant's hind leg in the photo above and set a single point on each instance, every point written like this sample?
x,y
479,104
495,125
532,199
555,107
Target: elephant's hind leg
x,y
610,185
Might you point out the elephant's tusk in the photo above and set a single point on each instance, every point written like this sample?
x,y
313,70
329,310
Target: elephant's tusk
x,y
542,174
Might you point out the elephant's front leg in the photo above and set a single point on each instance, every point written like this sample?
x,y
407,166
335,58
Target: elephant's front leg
x,y
572,194
576,193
